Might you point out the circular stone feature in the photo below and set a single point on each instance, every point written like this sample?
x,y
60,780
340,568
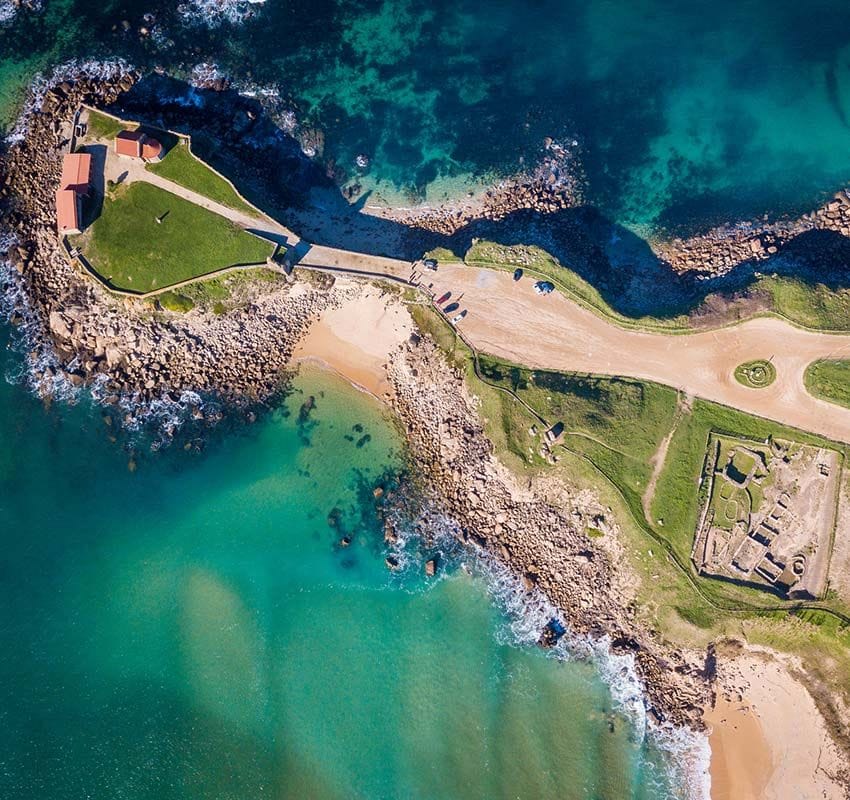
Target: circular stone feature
x,y
755,374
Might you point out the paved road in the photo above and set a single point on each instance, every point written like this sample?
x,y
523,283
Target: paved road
x,y
509,320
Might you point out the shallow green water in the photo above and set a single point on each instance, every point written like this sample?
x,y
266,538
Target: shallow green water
x,y
190,630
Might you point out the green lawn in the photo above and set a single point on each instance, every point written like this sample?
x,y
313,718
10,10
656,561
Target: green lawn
x,y
100,126
812,306
615,422
755,374
829,380
131,251
181,166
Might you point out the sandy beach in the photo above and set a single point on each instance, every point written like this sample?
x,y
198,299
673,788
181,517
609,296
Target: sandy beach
x,y
355,337
768,740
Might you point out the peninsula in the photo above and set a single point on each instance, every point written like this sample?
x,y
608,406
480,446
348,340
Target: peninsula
x,y
677,491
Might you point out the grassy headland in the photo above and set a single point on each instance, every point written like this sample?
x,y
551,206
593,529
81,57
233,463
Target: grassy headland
x,y
640,448
132,251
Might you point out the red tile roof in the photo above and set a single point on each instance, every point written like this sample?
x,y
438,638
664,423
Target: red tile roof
x,y
129,143
151,149
67,216
76,169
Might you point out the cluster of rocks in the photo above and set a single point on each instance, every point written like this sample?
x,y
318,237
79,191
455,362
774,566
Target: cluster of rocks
x,y
81,334
715,253
541,541
554,184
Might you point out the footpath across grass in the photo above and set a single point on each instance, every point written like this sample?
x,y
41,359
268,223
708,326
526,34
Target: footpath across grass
x,y
130,250
181,166
829,380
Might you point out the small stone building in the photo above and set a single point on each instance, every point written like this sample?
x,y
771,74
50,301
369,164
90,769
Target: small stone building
x,y
135,144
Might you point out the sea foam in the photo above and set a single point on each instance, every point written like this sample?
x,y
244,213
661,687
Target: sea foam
x,y
686,752
213,13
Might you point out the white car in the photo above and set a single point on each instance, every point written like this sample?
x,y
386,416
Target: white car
x,y
459,317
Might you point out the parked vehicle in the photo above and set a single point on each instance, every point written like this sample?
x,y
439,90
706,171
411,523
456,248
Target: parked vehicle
x,y
517,274
430,263
443,299
451,307
544,287
459,317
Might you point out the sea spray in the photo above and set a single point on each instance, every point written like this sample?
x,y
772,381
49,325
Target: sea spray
x,y
73,70
213,13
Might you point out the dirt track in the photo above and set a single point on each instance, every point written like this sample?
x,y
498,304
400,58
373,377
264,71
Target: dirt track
x,y
509,320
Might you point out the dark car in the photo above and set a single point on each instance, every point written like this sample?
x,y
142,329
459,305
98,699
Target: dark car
x,y
517,274
443,298
544,287
451,307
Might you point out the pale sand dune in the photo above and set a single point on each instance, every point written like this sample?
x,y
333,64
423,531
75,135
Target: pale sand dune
x,y
356,337
768,740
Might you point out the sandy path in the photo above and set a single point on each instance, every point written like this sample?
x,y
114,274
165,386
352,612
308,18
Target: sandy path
x,y
509,320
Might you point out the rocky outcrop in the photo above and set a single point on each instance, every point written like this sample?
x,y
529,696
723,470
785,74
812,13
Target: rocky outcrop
x,y
83,335
544,543
721,249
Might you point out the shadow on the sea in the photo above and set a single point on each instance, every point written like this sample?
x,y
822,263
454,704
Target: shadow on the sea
x,y
245,142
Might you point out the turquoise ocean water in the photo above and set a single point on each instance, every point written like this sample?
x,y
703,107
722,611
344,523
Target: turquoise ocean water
x,y
191,629
685,113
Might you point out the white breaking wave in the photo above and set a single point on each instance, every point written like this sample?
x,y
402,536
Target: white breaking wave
x,y
71,71
9,8
213,13
686,752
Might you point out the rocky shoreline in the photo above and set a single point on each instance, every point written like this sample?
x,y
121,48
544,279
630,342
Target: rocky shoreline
x,y
78,334
132,354
543,543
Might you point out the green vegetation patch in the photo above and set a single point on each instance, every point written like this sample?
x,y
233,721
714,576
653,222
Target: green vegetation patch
x,y
130,250
101,126
811,305
755,374
173,301
829,380
616,423
181,166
